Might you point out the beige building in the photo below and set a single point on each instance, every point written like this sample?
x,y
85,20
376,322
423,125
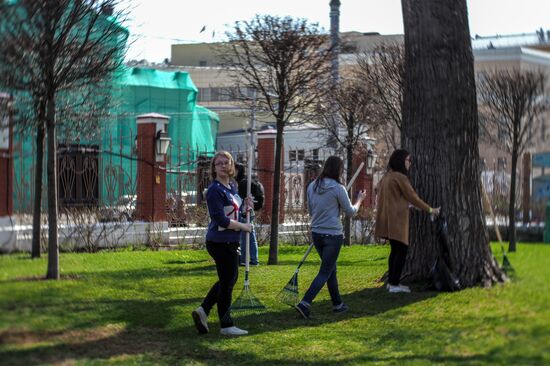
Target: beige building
x,y
519,58
215,85
524,52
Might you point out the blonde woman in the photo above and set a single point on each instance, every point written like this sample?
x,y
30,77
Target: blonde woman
x,y
222,243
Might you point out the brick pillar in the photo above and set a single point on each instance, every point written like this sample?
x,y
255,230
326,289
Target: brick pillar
x,y
151,170
364,181
8,237
6,158
265,166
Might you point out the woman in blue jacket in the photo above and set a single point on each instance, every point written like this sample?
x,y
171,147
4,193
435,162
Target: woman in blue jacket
x,y
326,198
222,243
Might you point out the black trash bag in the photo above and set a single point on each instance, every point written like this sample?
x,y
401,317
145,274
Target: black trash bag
x,y
443,272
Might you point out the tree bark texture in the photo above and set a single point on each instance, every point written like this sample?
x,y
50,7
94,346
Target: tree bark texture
x,y
37,204
349,175
53,247
274,235
440,130
512,202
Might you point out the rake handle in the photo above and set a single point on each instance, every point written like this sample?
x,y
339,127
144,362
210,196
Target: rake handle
x,y
348,187
488,201
304,257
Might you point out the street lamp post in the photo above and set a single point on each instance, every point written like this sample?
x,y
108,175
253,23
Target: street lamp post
x,y
335,72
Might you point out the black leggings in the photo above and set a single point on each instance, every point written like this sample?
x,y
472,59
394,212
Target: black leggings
x,y
227,264
396,262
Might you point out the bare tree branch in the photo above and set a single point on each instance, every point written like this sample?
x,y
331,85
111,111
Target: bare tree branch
x,y
287,61
512,104
57,56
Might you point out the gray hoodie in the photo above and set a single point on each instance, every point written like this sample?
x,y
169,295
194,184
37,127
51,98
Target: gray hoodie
x,y
324,206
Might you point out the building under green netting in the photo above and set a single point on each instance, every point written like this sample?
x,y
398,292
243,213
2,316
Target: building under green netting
x,y
103,169
192,128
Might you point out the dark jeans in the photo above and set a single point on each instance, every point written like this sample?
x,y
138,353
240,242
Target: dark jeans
x,y
396,262
226,257
328,247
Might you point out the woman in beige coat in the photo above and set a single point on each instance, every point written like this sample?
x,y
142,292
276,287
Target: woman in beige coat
x,y
395,193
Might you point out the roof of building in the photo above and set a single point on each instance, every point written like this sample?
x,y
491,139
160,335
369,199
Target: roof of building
x,y
526,54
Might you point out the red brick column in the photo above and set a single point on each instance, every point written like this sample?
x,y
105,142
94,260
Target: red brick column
x,y
6,159
151,170
265,167
364,181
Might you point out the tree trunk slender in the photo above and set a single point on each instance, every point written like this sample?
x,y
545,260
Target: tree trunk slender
x,y
349,175
511,205
440,128
274,235
53,247
37,199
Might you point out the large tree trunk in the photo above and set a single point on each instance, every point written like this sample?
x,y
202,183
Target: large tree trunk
x,y
37,199
512,203
274,235
53,247
441,132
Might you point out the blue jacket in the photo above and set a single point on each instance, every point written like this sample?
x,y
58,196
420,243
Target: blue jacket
x,y
324,204
223,205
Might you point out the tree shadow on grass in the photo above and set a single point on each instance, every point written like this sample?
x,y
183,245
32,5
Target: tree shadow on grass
x,y
364,303
146,333
157,344
143,331
184,262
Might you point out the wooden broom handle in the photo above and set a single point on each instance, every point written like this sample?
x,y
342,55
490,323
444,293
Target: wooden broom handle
x,y
486,199
348,187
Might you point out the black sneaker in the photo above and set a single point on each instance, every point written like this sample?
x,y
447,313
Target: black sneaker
x,y
342,308
303,310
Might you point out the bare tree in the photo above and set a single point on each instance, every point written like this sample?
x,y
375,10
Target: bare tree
x,y
53,47
356,108
287,61
440,127
512,103
384,69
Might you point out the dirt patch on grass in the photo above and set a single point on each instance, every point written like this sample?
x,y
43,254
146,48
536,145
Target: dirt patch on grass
x,y
109,342
26,338
70,276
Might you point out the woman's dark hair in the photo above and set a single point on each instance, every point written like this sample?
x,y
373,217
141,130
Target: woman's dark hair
x,y
333,168
397,161
240,172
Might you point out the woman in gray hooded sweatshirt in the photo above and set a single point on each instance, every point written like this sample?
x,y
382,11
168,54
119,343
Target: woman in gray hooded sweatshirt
x,y
326,198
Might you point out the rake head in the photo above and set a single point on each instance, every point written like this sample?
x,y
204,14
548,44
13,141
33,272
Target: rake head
x,y
246,303
289,294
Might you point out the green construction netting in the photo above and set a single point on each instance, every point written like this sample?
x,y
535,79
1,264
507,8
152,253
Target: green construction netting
x,y
192,128
136,91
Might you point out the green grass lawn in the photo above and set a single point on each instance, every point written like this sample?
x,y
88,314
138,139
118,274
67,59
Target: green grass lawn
x,y
133,308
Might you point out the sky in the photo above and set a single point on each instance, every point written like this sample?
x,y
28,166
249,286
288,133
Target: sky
x,y
156,24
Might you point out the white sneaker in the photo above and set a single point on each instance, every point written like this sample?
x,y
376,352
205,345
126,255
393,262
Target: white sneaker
x,y
395,289
201,320
233,331
406,288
